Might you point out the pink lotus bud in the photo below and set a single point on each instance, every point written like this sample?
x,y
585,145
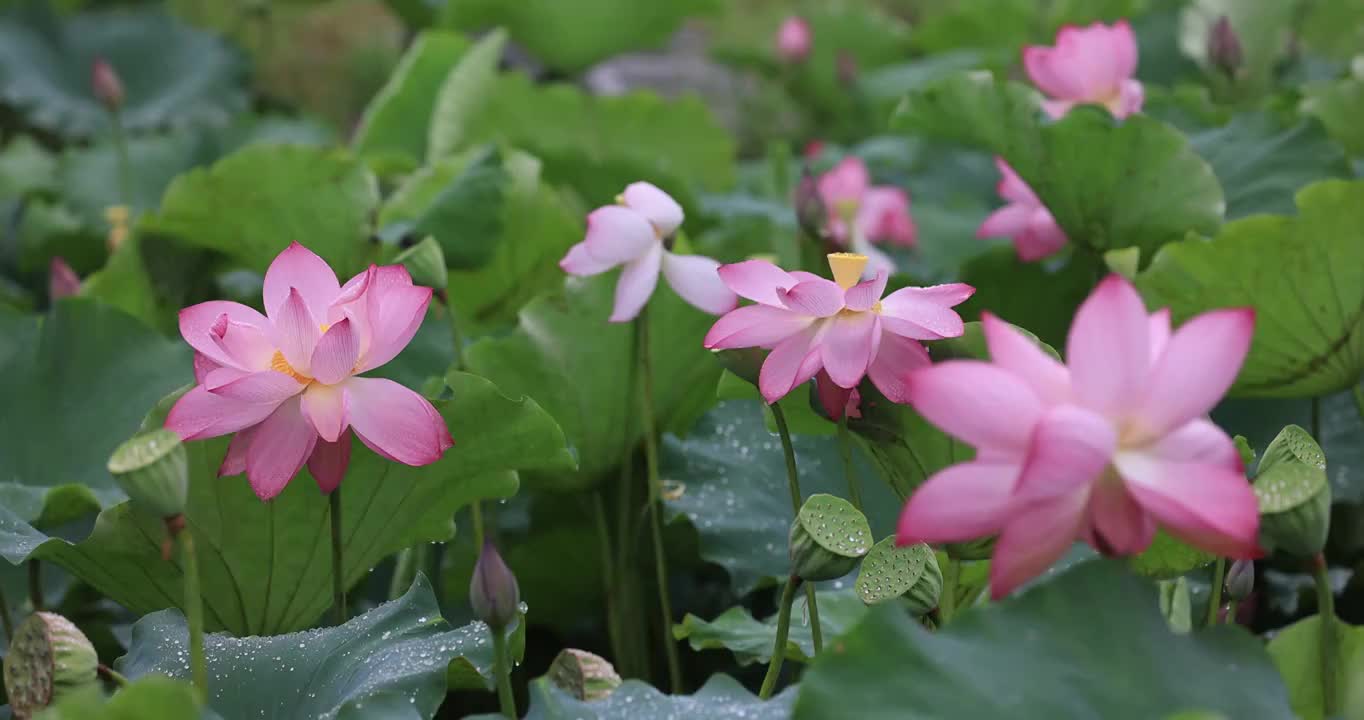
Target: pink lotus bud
x,y
793,39
846,68
493,592
811,214
62,281
1240,579
1224,47
106,84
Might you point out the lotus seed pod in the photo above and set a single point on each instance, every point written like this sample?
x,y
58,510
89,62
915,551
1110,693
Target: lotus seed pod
x,y
48,658
911,572
1240,579
1294,494
425,262
828,538
583,675
153,469
493,592
927,590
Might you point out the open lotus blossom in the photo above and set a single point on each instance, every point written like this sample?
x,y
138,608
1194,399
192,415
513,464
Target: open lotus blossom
x,y
860,213
1091,65
286,382
1025,220
1104,448
633,233
840,330
793,39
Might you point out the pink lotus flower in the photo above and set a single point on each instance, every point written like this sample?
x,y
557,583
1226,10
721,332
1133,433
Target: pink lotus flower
x,y
632,233
793,39
860,213
1092,65
841,330
287,384
1031,226
1101,449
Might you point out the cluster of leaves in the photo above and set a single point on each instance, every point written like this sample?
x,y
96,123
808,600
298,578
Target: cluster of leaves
x,y
1227,190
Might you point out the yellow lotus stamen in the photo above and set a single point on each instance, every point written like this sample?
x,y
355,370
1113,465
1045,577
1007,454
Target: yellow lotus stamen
x,y
620,199
117,217
847,268
279,364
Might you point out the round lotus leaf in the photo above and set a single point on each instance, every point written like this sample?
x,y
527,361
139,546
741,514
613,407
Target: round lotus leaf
x,y
835,525
888,571
171,74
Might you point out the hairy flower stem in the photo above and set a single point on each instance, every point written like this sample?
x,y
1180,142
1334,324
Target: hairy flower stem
x,y
410,562
633,660
1219,577
1326,610
194,611
476,519
845,447
788,597
947,601
656,499
608,573
338,581
1232,607
502,669
793,483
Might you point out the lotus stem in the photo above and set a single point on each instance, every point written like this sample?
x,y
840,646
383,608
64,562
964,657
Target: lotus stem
x,y
1326,610
788,596
845,450
35,584
502,669
1219,576
656,499
338,581
793,484
194,611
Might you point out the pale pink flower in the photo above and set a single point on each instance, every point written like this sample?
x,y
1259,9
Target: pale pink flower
x,y
1031,226
793,39
860,213
840,329
1092,65
286,382
632,233
1103,449
62,281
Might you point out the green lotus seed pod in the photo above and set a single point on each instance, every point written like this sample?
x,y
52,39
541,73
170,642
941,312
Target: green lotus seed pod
x,y
1294,494
927,590
48,658
425,262
890,572
583,675
153,469
827,539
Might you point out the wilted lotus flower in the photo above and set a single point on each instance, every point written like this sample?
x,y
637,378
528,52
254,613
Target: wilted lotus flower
x,y
840,330
1101,449
1024,220
860,213
793,39
632,233
287,382
1090,65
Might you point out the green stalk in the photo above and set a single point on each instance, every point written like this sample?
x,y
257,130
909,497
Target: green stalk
x,y
476,519
1359,400
793,484
1219,578
1232,606
502,669
125,166
35,584
608,573
845,449
788,597
410,562
5,617
634,662
194,612
338,581
947,601
112,675
1326,610
656,499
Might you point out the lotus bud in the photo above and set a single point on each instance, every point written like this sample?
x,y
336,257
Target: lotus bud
x,y
1294,494
828,538
153,468
583,675
1224,47
846,68
492,591
811,214
744,362
106,84
793,40
62,281
49,658
425,262
1240,579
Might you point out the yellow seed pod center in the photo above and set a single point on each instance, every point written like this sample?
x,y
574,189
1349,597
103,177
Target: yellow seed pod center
x,y
847,268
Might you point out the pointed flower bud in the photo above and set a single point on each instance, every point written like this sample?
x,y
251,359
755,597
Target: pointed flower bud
x,y
811,214
425,262
62,281
153,469
1240,579
793,39
583,675
48,658
1224,47
106,84
492,591
828,538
